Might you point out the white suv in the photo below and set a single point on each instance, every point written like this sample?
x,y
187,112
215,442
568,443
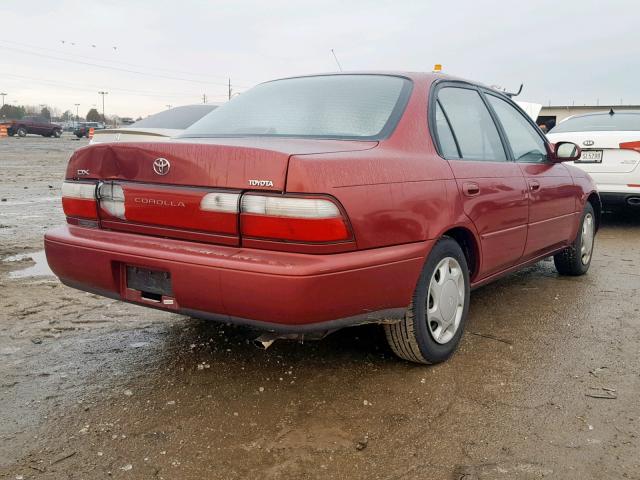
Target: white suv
x,y
610,143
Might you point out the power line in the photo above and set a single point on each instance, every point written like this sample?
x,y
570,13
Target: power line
x,y
80,62
90,88
111,61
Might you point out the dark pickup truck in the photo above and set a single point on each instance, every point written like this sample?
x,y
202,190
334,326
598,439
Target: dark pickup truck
x,y
82,130
35,125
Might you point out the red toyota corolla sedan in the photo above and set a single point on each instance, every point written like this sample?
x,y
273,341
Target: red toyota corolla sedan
x,y
313,203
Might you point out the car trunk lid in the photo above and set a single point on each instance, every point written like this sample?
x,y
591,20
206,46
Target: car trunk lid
x,y
613,159
188,190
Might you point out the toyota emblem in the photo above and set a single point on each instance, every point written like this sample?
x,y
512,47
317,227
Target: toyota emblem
x,y
161,166
587,143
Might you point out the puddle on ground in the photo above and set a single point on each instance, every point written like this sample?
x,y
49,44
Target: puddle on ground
x,y
40,269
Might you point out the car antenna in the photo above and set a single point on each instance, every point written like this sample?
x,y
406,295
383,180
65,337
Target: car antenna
x,y
514,94
611,112
336,59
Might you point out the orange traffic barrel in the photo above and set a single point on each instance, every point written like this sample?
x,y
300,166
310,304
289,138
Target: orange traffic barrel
x,y
91,130
3,131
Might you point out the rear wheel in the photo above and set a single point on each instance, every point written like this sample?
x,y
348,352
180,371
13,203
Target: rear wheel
x,y
576,258
57,133
435,320
22,132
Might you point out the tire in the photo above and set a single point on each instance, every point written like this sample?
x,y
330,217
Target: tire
x,y
421,337
11,134
79,136
57,133
22,132
576,258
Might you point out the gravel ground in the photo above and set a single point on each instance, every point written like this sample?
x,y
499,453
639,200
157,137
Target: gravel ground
x,y
545,383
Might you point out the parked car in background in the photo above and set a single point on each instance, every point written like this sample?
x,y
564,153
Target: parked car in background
x,y
157,127
83,128
35,125
610,144
313,203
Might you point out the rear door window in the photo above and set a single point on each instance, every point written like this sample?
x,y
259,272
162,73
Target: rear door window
x,y
526,144
471,124
447,142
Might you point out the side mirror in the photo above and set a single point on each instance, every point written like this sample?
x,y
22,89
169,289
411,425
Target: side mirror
x,y
566,152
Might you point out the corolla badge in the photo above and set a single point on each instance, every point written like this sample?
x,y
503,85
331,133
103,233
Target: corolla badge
x,y
161,166
587,143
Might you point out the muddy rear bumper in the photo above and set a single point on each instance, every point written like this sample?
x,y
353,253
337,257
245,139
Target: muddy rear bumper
x,y
265,289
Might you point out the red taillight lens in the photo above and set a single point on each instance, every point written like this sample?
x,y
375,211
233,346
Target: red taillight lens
x,y
630,146
79,200
310,220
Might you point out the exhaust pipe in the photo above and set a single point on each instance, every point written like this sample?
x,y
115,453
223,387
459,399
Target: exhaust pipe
x,y
633,201
265,340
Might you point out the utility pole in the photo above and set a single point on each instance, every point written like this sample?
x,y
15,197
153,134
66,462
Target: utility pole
x,y
204,98
77,117
229,89
168,107
3,95
104,119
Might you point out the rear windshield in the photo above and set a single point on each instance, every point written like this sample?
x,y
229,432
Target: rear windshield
x,y
178,118
600,123
325,106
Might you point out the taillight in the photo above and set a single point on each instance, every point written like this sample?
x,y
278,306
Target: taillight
x,y
296,219
167,206
111,198
79,200
630,146
309,221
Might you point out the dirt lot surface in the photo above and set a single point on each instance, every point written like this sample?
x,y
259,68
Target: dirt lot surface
x,y
546,382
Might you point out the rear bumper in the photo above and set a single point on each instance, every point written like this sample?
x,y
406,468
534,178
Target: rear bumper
x,y
620,199
277,291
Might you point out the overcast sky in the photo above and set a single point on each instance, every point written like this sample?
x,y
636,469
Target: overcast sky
x,y
563,51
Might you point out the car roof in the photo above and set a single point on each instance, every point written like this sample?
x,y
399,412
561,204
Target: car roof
x,y
177,117
418,77
593,114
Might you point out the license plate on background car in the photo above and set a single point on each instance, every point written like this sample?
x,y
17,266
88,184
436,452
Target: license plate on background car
x,y
590,156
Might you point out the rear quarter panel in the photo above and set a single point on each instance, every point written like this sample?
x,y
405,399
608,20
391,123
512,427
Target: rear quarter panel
x,y
394,193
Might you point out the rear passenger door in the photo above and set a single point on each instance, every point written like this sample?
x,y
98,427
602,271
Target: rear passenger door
x,y
491,187
552,194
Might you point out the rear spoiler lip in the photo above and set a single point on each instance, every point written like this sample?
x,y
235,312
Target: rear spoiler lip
x,y
127,132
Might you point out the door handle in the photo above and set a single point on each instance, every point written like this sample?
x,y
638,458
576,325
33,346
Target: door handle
x,y
534,185
470,189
